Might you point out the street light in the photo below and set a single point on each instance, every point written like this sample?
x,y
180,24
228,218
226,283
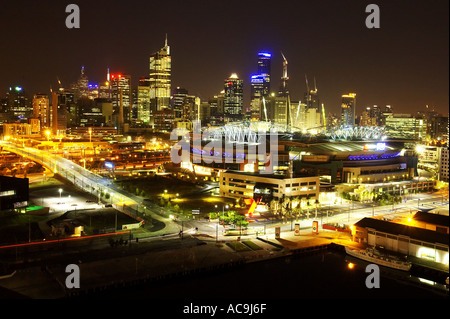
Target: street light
x,y
60,191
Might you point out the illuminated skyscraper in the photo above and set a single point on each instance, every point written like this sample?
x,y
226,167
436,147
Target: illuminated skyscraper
x,y
160,80
41,109
260,82
17,104
121,98
81,87
143,100
348,110
233,98
260,85
178,100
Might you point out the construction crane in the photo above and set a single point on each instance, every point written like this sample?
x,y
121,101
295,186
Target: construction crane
x,y
285,76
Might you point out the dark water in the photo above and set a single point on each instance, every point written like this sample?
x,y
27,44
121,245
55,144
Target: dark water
x,y
320,276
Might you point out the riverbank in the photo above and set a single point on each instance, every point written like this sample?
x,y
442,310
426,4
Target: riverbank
x,y
152,262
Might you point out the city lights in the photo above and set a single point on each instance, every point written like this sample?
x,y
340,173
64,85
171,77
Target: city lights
x,y
246,150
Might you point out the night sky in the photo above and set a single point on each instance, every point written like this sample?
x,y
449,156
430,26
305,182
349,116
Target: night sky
x,y
404,63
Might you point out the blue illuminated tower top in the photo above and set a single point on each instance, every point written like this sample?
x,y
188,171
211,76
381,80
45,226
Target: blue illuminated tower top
x,y
264,63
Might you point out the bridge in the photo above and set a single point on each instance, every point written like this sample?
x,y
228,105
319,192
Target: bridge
x,y
83,178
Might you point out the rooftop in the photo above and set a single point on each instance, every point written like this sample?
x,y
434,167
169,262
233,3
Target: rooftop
x,y
276,176
430,218
416,233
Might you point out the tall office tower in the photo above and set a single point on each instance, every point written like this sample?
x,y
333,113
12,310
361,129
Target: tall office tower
x,y
233,98
104,90
437,128
348,110
260,85
365,119
276,109
67,103
134,106
64,103
81,87
178,98
41,109
284,89
190,109
205,112
375,115
17,104
216,108
260,82
387,112
143,100
160,80
121,97
93,91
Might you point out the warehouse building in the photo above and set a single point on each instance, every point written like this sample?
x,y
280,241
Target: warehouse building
x,y
404,239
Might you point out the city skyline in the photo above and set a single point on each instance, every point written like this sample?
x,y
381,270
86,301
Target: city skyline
x,y
403,64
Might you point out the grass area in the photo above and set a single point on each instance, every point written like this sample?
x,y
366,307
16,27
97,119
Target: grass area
x,y
19,228
95,219
237,246
183,196
251,245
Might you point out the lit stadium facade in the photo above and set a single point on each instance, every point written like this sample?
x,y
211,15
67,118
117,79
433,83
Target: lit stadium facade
x,y
250,147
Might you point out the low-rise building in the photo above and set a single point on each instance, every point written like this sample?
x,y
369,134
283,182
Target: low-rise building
x,y
431,221
404,239
265,187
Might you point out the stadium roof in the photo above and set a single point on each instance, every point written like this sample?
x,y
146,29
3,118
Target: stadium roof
x,y
339,147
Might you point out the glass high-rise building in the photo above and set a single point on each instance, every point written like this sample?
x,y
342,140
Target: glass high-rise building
x,y
233,98
143,100
260,84
348,110
160,80
41,109
81,87
121,96
178,100
17,104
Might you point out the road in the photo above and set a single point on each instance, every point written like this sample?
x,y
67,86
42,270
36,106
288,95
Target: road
x,y
93,184
343,214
